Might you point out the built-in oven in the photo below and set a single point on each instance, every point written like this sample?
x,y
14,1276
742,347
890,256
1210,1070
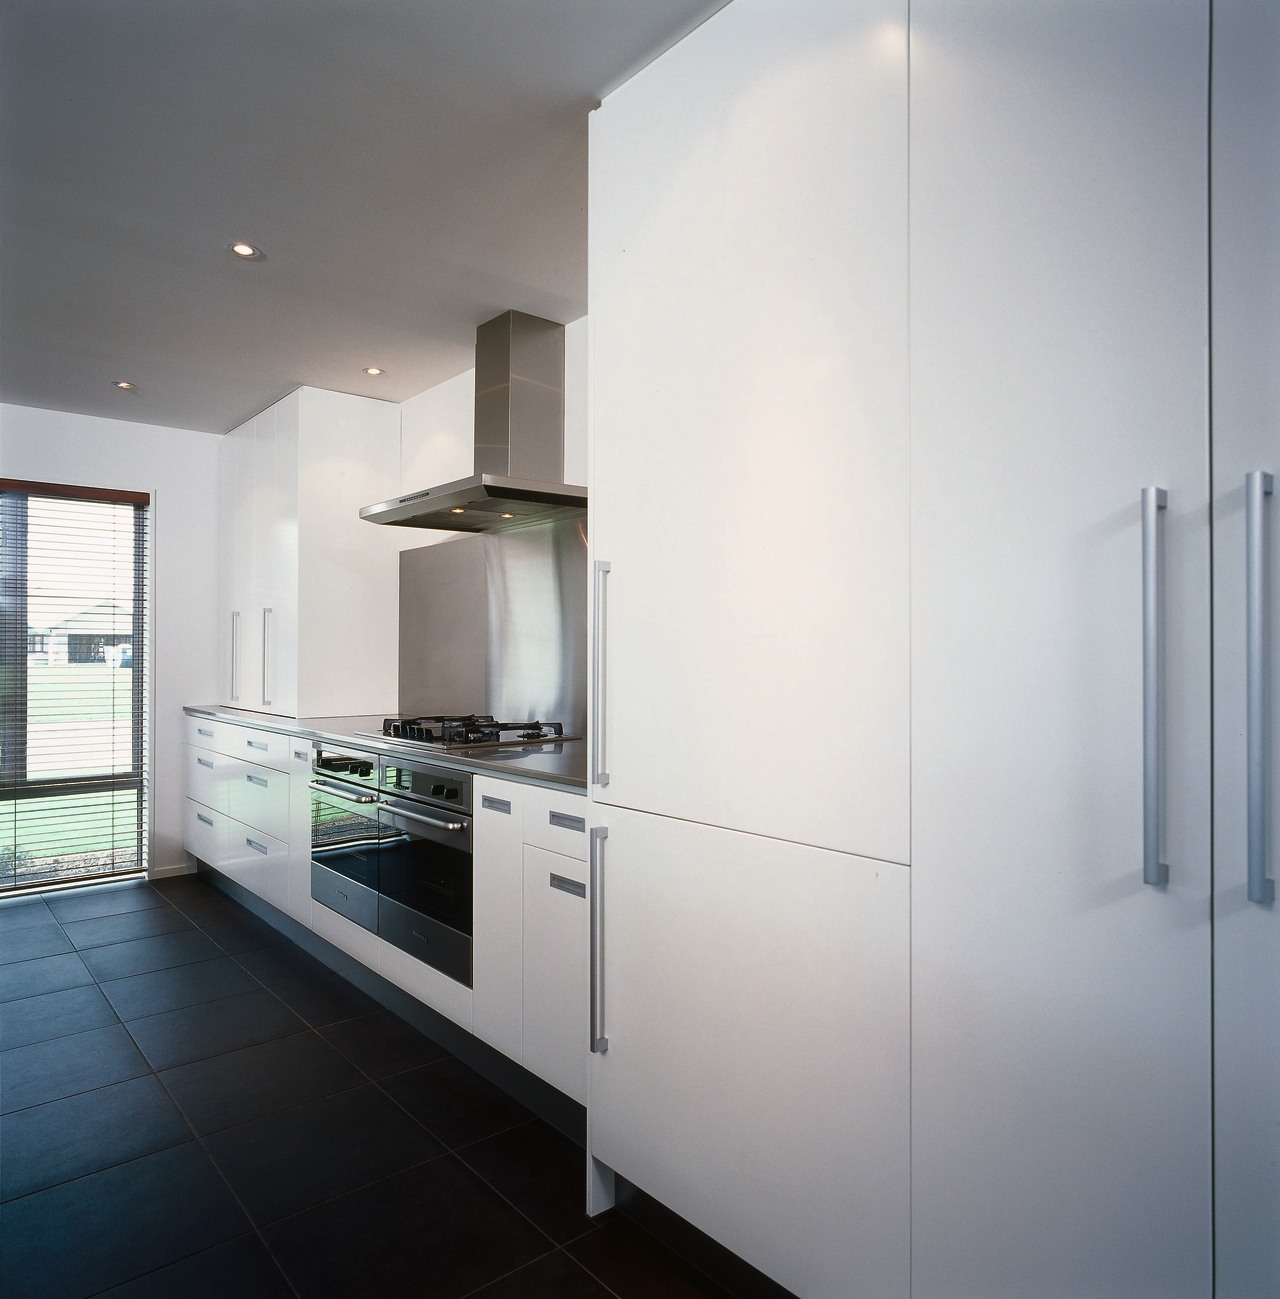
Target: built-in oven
x,y
391,851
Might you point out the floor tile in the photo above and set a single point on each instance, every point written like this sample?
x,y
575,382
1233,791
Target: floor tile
x,y
324,999
244,1085
176,888
101,930
245,933
143,954
211,1028
276,965
433,1231
383,1044
184,985
298,1157
18,913
46,1071
212,909
554,1276
65,1139
634,1266
124,1222
56,1014
33,941
240,1269
541,1172
45,974
106,900
454,1102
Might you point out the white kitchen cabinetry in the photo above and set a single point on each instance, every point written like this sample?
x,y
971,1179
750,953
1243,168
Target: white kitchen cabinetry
x,y
1060,1006
309,592
755,1002
748,352
1246,439
498,944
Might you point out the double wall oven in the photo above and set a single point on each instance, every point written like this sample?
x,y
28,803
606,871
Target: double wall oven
x,y
391,851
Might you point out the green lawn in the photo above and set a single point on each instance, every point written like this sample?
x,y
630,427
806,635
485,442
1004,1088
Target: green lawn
x,y
91,692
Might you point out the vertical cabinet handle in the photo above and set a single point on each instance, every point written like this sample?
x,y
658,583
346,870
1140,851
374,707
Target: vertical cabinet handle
x,y
235,657
1258,486
1155,500
599,1043
599,630
266,659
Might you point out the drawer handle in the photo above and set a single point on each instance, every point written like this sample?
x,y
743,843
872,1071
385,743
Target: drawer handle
x,y
208,820
205,762
566,885
302,755
567,822
257,780
201,731
257,744
495,804
256,846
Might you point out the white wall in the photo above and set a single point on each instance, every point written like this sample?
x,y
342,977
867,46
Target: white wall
x,y
179,468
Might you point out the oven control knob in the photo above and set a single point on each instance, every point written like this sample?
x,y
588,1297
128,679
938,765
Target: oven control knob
x,y
437,791
451,793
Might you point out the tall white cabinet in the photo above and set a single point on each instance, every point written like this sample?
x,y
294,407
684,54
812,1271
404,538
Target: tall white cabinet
x,y
1246,440
749,531
1061,1122
309,591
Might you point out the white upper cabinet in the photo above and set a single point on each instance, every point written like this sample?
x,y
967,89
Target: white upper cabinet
x,y
748,353
310,592
1245,194
1060,1006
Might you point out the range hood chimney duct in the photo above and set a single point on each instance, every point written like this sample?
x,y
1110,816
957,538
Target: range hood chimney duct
x,y
519,439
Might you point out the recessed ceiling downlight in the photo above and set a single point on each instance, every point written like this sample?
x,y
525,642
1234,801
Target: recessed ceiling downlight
x,y
124,385
243,250
374,370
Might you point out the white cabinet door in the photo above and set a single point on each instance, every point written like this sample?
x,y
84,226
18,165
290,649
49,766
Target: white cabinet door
x,y
1060,1006
259,862
1246,439
748,340
756,1006
556,972
497,924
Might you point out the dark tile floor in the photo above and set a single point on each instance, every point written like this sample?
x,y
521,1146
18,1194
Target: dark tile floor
x,y
190,1106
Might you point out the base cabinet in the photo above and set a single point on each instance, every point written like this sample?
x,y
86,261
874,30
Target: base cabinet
x,y
756,1002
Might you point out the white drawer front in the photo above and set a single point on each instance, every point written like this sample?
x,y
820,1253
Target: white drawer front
x,y
556,820
266,748
205,733
259,797
258,861
205,834
205,776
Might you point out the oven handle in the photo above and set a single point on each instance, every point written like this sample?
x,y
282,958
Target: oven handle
x,y
417,816
337,791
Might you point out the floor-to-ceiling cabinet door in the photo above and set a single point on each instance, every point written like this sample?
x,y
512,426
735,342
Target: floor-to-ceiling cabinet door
x,y
1061,1124
1245,198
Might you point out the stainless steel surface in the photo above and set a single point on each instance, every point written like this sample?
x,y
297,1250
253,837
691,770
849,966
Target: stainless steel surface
x,y
1155,501
1258,486
235,657
497,625
266,658
519,440
599,776
566,885
599,1042
396,810
345,896
341,791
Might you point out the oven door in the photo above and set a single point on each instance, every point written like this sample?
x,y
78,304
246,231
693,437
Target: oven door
x,y
344,850
425,885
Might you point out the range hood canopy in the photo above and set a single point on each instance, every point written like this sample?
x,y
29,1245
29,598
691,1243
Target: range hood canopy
x,y
519,440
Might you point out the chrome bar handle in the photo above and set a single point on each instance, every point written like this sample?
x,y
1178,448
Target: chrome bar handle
x,y
235,656
1154,501
266,656
417,816
599,776
1258,486
339,791
599,1043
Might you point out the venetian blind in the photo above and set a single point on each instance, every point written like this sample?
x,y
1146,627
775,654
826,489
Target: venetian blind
x,y
74,668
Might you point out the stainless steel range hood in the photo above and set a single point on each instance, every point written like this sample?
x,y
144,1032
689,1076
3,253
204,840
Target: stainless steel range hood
x,y
519,440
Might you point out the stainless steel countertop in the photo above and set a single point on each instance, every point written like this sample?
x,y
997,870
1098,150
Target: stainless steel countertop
x,y
535,765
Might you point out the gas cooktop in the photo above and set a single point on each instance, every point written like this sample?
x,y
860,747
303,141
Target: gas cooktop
x,y
470,731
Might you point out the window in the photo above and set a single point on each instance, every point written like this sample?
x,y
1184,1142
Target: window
x,y
73,684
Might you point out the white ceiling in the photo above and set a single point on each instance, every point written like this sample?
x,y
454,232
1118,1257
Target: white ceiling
x,y
411,168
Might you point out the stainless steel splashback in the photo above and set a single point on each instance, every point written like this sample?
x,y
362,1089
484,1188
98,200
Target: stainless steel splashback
x,y
497,623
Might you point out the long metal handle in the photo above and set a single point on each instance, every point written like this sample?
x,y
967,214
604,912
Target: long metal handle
x,y
266,657
1154,501
235,656
599,629
426,820
599,1043
1258,486
328,787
